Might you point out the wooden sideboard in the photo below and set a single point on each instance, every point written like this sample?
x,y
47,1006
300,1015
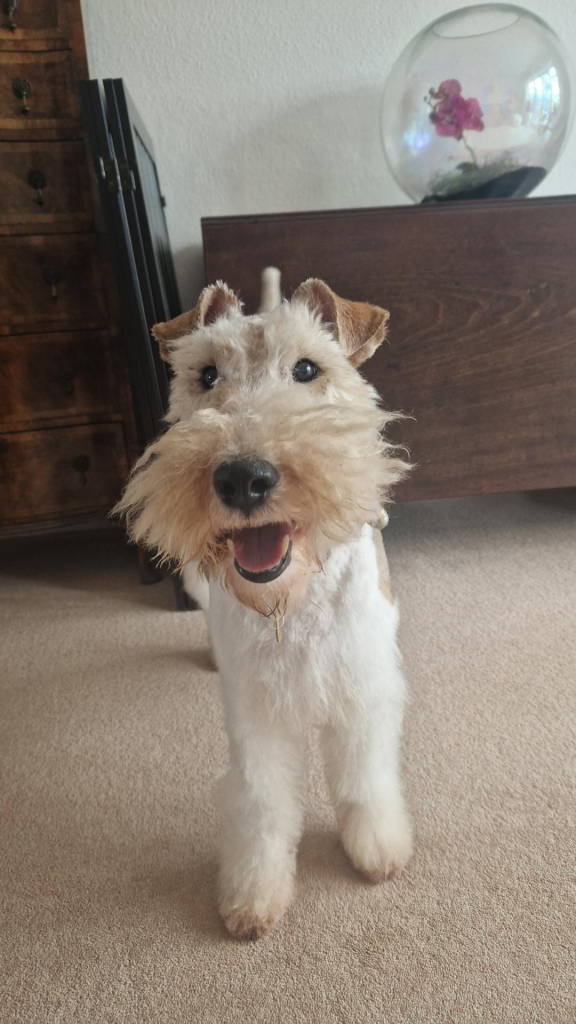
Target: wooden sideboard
x,y
66,421
481,353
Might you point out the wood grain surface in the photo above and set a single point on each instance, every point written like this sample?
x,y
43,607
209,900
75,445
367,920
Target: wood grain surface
x,y
64,391
482,343
56,376
26,266
53,101
40,24
66,199
62,471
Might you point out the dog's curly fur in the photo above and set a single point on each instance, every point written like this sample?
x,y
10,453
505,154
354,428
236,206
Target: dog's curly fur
x,y
329,488
337,663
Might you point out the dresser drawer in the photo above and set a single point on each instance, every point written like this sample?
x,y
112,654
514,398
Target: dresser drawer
x,y
35,22
50,282
52,100
49,473
46,376
44,186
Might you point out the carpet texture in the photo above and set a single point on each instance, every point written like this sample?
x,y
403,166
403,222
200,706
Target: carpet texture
x,y
112,740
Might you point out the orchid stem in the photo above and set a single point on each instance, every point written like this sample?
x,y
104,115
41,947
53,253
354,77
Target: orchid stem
x,y
471,151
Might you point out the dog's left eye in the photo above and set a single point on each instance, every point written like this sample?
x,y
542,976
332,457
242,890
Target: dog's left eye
x,y
304,371
208,377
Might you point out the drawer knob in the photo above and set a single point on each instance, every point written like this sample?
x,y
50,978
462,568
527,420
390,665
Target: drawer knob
x,y
37,180
53,278
22,89
10,7
81,464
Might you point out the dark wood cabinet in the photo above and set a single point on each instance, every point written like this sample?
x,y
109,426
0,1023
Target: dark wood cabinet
x,y
67,429
481,354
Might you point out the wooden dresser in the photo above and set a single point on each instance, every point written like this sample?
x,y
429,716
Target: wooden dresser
x,y
481,352
66,423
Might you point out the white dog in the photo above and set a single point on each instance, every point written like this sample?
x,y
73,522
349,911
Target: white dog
x,y
267,480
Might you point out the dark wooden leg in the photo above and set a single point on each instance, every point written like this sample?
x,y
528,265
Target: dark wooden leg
x,y
150,572
184,603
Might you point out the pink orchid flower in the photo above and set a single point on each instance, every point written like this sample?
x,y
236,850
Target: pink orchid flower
x,y
451,87
451,114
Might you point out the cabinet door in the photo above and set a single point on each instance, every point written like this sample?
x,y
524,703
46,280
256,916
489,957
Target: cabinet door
x,y
49,283
48,81
50,473
49,376
44,187
34,24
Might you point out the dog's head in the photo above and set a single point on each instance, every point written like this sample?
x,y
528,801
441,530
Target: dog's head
x,y
274,450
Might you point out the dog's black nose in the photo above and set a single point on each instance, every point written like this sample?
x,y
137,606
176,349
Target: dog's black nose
x,y
245,483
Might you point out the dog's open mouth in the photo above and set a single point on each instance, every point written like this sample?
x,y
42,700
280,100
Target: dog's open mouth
x,y
262,553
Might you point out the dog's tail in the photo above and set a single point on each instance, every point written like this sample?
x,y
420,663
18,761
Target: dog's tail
x,y
270,296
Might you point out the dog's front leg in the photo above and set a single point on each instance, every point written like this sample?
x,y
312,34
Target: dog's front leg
x,y
262,817
362,770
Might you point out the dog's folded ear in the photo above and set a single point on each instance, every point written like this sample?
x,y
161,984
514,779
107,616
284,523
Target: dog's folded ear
x,y
217,300
358,326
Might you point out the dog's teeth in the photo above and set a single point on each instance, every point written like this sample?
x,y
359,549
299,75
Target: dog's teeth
x,y
285,544
230,544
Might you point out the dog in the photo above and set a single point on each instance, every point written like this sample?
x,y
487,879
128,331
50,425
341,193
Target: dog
x,y
267,484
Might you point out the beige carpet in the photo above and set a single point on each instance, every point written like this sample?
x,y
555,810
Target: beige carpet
x,y
112,739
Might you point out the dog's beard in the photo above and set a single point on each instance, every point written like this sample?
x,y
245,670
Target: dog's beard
x,y
335,471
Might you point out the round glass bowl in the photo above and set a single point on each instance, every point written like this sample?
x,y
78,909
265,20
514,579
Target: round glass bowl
x,y
477,106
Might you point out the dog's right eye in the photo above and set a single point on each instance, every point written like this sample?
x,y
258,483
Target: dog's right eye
x,y
208,377
304,371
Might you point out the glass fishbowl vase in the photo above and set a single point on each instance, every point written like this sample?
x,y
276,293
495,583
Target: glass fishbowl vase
x,y
477,106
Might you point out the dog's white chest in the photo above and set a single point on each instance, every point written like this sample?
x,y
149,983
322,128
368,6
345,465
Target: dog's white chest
x,y
342,633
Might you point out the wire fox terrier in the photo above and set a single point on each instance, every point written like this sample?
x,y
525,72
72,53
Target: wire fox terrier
x,y
268,484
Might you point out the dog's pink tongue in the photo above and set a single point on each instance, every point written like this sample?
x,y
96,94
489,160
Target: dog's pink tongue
x,y
261,547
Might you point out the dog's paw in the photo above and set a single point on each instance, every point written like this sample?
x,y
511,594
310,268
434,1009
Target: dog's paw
x,y
378,845
254,917
246,925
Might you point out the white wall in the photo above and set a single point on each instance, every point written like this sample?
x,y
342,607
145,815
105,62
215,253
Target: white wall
x,y
269,105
